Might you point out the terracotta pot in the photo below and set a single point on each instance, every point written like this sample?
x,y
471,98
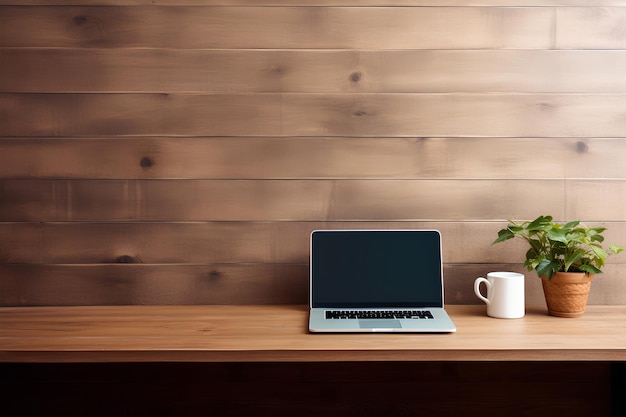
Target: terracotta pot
x,y
566,293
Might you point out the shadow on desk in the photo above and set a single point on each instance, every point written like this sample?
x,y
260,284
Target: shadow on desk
x,y
308,389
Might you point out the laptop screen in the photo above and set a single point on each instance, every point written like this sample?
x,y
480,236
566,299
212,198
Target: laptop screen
x,y
376,269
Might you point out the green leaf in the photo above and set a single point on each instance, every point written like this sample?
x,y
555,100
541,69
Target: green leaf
x,y
532,253
590,269
599,252
557,235
573,258
560,247
536,246
504,234
571,225
597,238
547,268
539,223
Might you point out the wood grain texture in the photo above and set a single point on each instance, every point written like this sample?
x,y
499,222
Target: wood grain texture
x,y
370,115
336,3
235,283
278,27
148,148
311,71
284,200
238,242
234,333
232,262
130,284
305,200
313,27
228,158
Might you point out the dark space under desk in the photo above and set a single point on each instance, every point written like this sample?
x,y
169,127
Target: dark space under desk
x,y
260,360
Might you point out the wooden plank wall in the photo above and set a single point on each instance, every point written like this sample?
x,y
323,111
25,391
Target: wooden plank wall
x,y
180,152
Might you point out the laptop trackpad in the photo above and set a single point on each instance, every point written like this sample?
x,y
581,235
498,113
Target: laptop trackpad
x,y
382,324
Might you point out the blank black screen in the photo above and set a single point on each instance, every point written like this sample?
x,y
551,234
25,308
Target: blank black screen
x,y
376,268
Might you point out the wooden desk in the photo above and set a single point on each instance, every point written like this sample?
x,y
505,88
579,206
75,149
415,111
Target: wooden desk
x,y
278,334
260,360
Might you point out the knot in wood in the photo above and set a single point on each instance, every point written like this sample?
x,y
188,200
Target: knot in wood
x,y
146,163
355,77
215,275
581,147
80,20
126,259
279,69
545,106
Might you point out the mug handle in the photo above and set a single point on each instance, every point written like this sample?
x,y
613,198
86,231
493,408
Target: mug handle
x,y
477,289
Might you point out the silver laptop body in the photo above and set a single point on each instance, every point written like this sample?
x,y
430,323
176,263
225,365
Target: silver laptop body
x,y
377,281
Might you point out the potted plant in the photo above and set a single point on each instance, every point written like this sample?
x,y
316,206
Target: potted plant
x,y
566,256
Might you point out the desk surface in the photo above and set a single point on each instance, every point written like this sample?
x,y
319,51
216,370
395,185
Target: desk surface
x,y
279,333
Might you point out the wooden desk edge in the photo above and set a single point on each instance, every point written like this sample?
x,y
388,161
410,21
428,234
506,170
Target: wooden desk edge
x,y
313,356
195,317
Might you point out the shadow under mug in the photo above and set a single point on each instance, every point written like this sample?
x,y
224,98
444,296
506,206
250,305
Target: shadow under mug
x,y
505,294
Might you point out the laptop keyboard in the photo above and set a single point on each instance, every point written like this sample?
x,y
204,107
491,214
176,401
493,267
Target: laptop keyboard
x,y
378,314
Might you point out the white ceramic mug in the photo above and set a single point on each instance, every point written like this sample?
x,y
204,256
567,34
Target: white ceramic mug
x,y
505,294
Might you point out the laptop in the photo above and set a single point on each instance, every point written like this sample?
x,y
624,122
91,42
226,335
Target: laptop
x,y
377,281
